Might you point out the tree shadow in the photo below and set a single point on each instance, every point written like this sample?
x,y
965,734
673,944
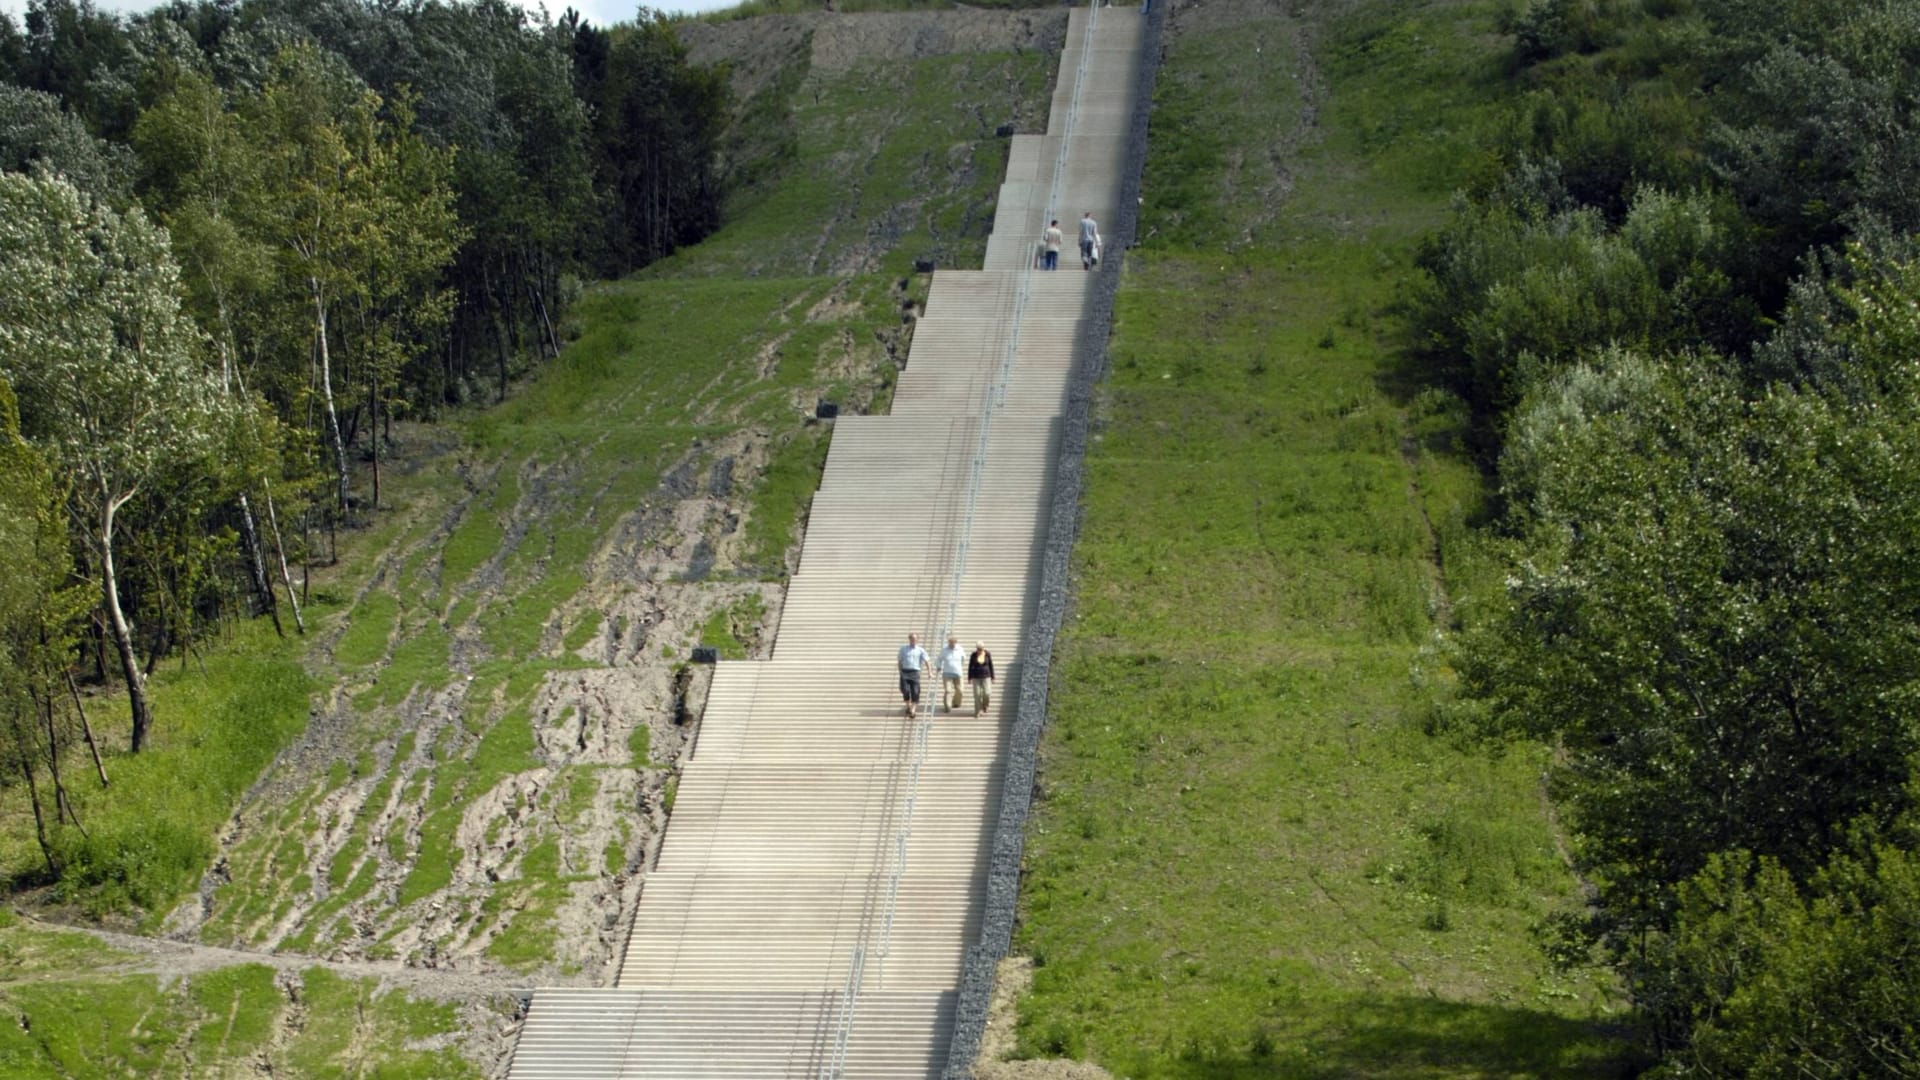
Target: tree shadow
x,y
1417,1039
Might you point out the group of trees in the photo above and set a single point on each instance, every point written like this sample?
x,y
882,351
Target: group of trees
x,y
238,238
1685,314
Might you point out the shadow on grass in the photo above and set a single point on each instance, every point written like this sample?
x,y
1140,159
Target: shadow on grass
x,y
1403,1039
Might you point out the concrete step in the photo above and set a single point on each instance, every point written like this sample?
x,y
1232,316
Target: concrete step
x,y
647,1033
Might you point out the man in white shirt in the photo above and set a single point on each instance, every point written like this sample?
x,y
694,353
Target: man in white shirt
x,y
913,660
953,668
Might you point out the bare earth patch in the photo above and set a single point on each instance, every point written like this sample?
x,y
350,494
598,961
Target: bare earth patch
x,y
1011,980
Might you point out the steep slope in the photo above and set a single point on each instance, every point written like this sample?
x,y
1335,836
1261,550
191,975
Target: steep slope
x,y
503,656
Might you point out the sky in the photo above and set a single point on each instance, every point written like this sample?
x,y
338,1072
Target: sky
x,y
602,12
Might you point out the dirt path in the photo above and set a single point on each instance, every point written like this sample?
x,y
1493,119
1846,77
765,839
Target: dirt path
x,y
172,960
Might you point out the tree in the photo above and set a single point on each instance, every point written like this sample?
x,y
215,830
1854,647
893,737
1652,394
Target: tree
x,y
313,203
1817,133
201,169
13,49
107,366
414,232
1712,622
81,55
36,134
360,214
1515,292
39,610
657,125
1771,978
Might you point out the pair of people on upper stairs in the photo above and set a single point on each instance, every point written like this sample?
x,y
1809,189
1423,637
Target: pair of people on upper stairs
x,y
977,668
1089,244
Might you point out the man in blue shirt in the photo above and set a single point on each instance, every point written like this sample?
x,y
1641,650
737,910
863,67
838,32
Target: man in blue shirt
x,y
913,660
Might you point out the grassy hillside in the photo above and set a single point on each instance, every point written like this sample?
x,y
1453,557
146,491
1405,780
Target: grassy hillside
x,y
473,752
1250,857
868,166
87,1018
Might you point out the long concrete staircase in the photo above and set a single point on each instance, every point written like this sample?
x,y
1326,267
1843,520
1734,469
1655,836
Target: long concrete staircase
x,y
822,873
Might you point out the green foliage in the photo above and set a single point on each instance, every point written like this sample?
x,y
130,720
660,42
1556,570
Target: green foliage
x,y
150,834
1544,29
1511,296
39,623
1709,617
1817,131
107,368
656,125
1779,129
1773,979
1691,555
36,135
1708,588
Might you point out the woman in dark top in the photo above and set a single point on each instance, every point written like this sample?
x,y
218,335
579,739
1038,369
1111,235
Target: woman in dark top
x,y
980,675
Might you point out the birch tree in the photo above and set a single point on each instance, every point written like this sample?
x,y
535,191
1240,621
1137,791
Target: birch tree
x,y
107,367
200,168
315,203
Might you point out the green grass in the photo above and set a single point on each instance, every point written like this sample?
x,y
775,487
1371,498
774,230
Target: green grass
x,y
149,835
479,534
368,628
528,903
782,497
73,1011
728,628
893,162
353,1029
582,630
240,1003
1250,860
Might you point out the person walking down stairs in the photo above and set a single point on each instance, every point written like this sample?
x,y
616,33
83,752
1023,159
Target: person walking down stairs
x,y
953,666
913,660
980,674
1089,242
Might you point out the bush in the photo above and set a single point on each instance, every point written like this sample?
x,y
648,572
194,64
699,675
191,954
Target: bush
x,y
1544,29
1765,978
1512,295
